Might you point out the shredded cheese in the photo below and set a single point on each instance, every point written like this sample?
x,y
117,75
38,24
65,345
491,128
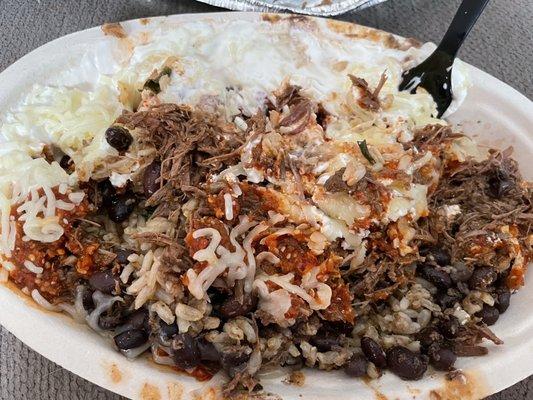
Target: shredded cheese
x,y
228,204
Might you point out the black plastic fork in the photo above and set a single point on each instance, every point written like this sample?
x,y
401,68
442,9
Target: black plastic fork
x,y
435,73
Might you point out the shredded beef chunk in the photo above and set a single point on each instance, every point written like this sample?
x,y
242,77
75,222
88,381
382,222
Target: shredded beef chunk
x,y
368,99
190,144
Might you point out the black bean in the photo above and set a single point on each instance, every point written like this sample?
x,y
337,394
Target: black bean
x,y
449,326
441,279
461,272
231,307
130,339
114,317
234,360
106,189
186,353
167,331
106,193
501,282
108,322
87,299
138,319
373,352
488,314
499,183
338,327
482,277
122,255
356,367
128,301
208,351
104,281
324,340
406,364
503,299
446,300
438,254
216,296
441,358
121,207
429,336
65,162
118,137
151,177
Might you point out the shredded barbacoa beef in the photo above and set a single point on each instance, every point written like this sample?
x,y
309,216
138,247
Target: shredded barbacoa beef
x,y
368,99
190,145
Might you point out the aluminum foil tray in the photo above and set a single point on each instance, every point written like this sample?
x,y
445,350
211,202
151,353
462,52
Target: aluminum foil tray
x,y
310,7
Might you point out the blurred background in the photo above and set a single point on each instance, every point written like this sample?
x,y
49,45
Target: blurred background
x,y
500,43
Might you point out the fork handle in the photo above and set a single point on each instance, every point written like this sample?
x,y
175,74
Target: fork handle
x,y
464,20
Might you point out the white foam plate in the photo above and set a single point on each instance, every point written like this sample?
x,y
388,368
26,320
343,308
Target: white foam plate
x,y
493,112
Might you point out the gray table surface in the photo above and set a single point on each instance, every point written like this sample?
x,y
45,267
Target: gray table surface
x,y
501,44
